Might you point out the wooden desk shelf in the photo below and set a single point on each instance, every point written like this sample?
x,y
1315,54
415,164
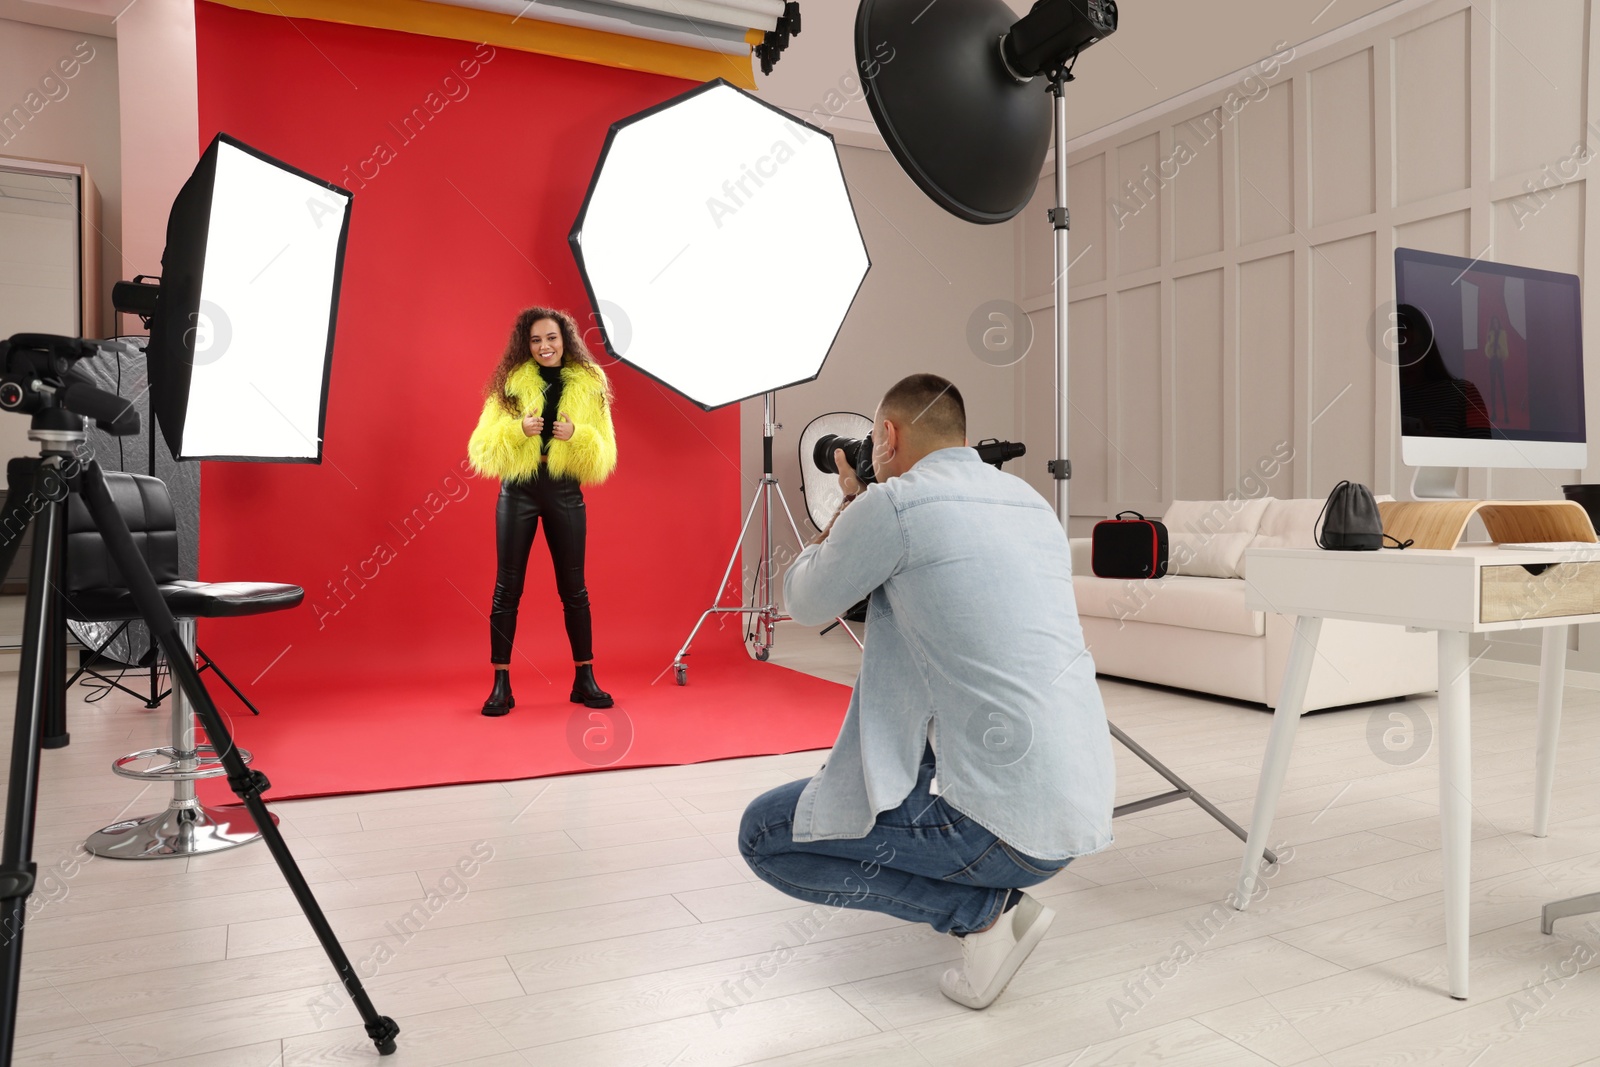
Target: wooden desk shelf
x,y
1441,523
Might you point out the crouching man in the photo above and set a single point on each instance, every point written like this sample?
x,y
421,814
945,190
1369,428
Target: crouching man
x,y
974,760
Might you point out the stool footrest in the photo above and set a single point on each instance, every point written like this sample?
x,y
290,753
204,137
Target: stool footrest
x,y
176,766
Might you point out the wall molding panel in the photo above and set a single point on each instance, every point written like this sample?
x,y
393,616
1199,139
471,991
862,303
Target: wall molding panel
x,y
1258,224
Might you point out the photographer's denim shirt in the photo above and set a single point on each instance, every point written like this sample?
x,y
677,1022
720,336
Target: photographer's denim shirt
x,y
972,624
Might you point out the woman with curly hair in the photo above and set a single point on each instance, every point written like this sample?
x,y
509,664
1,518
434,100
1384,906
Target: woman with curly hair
x,y
545,432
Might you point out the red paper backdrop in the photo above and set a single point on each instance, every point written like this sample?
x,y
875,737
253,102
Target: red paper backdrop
x,y
462,222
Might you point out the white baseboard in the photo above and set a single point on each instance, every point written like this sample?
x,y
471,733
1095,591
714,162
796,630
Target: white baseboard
x,y
1529,672
11,659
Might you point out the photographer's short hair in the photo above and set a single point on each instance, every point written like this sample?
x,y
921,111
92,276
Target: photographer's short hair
x,y
926,405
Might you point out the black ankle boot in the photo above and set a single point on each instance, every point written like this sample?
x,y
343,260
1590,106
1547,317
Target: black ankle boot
x,y
586,691
500,700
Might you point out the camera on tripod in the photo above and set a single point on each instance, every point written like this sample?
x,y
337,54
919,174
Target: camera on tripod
x,y
36,375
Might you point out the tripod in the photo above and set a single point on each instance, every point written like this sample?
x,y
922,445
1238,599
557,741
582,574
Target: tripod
x,y
34,379
764,613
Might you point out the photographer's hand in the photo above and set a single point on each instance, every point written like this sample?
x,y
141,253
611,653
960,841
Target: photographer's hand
x,y
849,484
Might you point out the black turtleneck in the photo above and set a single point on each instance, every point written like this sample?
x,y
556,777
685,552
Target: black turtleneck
x,y
552,404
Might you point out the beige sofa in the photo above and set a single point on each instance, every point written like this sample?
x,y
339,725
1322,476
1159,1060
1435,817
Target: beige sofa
x,y
1191,629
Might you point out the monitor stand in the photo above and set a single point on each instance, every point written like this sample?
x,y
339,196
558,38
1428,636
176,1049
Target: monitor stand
x,y
1435,483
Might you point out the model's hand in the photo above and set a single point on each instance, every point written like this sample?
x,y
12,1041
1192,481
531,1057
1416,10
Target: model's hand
x,y
564,427
533,425
849,484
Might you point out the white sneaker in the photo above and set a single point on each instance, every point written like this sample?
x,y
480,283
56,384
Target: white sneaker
x,y
990,958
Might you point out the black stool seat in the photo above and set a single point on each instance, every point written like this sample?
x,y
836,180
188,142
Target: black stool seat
x,y
187,599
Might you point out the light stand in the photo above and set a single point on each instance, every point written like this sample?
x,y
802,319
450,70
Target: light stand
x,y
764,614
1061,468
961,117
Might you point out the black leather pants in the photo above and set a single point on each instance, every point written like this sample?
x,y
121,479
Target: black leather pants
x,y
560,502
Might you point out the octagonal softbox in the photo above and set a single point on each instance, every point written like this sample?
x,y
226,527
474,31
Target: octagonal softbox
x,y
719,245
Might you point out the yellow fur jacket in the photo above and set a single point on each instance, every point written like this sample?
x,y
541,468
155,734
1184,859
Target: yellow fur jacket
x,y
499,449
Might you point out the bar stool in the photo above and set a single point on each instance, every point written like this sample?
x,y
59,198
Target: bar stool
x,y
96,592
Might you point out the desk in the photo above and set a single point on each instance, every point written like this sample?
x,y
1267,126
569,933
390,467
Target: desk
x,y
1475,588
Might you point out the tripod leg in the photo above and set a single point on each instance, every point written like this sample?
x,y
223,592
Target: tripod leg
x,y
91,655
1182,790
17,514
55,716
677,660
211,664
27,478
157,694
246,783
26,496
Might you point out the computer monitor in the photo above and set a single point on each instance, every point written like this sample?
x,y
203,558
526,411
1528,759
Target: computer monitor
x,y
1490,362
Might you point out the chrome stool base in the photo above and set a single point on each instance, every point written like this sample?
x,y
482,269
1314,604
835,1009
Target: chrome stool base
x,y
1561,909
187,827
181,830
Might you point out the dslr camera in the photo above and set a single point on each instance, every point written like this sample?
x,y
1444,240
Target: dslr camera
x,y
857,453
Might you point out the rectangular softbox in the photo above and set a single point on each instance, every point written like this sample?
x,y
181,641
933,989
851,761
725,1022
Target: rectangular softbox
x,y
242,339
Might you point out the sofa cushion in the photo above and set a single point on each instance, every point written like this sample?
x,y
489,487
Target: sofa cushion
x,y
1288,524
1176,600
1291,524
1207,538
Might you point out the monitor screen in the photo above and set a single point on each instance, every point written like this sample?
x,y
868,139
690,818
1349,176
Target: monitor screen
x,y
1495,362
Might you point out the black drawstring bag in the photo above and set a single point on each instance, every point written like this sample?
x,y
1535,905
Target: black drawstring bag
x,y
1349,520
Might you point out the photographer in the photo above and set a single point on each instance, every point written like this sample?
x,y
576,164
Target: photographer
x,y
974,759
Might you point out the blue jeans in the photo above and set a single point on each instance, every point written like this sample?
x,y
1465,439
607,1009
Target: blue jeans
x,y
923,861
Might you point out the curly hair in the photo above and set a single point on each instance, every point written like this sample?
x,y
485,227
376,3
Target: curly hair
x,y
518,352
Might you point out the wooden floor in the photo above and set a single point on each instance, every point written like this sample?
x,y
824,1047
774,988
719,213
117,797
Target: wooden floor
x,y
607,919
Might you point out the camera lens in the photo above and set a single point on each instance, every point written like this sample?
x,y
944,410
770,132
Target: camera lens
x,y
822,453
857,453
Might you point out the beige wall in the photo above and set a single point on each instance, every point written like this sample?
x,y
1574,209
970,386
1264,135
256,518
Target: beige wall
x,y
160,124
76,119
68,120
1227,306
